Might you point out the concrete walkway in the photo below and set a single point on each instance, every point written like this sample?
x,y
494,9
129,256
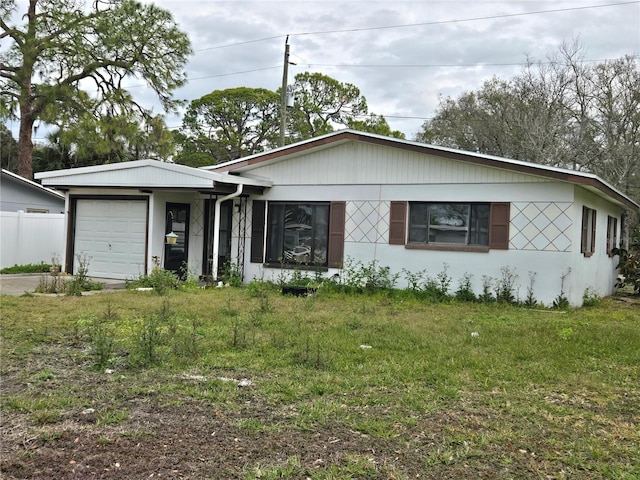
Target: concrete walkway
x,y
21,283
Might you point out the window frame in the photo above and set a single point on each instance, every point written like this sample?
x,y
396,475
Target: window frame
x,y
262,229
472,212
612,234
499,224
588,232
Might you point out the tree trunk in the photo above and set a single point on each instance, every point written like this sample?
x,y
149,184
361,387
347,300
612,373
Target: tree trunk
x,y
27,118
25,143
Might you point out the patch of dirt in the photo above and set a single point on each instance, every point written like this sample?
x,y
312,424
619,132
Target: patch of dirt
x,y
195,440
187,441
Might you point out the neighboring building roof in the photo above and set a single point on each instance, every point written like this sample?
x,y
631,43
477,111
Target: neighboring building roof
x,y
32,184
146,174
586,180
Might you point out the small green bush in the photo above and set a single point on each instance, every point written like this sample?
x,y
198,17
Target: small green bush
x,y
590,298
159,279
81,281
629,268
464,293
30,268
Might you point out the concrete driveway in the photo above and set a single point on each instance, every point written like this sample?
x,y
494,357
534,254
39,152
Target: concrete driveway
x,y
21,283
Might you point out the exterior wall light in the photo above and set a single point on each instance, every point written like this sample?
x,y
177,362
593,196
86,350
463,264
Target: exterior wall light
x,y
171,238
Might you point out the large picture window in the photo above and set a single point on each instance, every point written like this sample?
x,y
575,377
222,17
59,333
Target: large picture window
x,y
298,233
449,223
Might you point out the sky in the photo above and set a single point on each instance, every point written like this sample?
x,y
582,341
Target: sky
x,y
402,55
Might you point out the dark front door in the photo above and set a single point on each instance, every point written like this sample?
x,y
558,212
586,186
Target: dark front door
x,y
177,254
224,246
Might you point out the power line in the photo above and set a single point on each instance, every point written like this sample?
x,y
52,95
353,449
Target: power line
x,y
218,75
423,24
438,65
473,19
236,73
360,65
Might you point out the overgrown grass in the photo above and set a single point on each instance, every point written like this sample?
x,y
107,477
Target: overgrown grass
x,y
466,388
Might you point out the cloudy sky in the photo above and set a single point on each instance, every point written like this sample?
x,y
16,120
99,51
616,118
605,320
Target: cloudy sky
x,y
401,55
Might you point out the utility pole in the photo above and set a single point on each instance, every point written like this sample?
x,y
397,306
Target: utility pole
x,y
283,93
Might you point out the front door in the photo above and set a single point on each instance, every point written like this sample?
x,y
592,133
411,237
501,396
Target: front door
x,y
224,245
176,255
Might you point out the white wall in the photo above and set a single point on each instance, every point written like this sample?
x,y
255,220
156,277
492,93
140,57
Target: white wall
x,y
598,271
544,235
31,238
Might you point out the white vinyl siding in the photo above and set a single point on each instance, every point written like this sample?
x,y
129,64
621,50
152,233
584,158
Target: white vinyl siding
x,y
365,164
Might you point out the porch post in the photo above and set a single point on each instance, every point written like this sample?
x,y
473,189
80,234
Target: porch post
x,y
216,229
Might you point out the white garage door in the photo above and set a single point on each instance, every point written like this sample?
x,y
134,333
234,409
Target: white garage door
x,y
112,235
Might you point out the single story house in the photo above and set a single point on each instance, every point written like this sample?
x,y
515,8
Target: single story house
x,y
349,196
18,193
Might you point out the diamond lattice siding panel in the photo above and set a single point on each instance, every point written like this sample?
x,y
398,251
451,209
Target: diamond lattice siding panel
x,y
197,218
367,222
541,226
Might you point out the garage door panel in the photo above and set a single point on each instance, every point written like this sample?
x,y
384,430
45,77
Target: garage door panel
x,y
112,234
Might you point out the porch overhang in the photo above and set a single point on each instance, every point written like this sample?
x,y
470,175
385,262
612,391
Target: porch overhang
x,y
149,176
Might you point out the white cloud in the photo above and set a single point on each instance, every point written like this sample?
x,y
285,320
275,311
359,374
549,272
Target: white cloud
x,y
605,32
480,46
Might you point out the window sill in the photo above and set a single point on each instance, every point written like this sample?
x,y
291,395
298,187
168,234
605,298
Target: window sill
x,y
296,266
587,254
447,248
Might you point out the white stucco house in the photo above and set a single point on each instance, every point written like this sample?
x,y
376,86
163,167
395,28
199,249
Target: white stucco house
x,y
349,195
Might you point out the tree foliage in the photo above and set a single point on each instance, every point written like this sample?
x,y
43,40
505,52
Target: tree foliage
x,y
106,139
565,112
228,124
68,63
8,149
321,103
375,124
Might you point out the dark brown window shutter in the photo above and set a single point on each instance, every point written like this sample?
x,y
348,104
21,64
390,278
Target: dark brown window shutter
x,y
397,223
593,231
499,228
585,226
257,231
336,234
610,221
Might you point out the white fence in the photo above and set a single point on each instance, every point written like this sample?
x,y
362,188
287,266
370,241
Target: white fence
x,y
30,238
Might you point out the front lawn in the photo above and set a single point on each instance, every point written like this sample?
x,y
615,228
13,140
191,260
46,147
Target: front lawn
x,y
246,383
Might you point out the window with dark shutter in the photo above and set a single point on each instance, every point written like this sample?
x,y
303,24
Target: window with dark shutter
x,y
336,234
257,231
499,226
299,234
397,223
588,232
612,234
584,234
593,231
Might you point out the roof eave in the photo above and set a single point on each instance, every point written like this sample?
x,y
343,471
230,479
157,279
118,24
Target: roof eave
x,y
577,178
32,184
